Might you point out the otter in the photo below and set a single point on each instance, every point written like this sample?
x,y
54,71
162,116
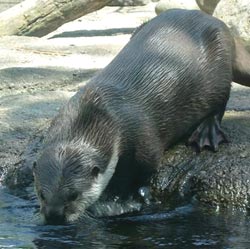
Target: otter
x,y
171,82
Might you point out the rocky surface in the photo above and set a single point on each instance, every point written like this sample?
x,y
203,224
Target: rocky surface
x,y
6,4
220,179
164,5
129,2
236,14
38,75
207,6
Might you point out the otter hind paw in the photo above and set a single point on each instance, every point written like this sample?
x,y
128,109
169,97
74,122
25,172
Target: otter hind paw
x,y
208,135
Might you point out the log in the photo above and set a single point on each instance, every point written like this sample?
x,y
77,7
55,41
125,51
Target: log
x,y
40,17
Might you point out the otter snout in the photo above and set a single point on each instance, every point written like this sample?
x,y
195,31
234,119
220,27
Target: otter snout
x,y
54,216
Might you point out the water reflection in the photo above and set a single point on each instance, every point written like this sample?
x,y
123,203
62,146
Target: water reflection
x,y
17,221
186,226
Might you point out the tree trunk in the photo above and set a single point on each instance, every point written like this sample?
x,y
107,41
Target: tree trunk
x,y
40,17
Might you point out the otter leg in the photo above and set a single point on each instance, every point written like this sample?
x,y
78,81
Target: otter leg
x,y
208,134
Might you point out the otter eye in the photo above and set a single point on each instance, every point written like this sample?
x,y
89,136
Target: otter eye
x,y
73,197
95,171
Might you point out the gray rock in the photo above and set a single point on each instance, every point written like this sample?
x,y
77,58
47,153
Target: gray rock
x,y
4,5
129,2
219,179
164,5
236,14
24,119
207,6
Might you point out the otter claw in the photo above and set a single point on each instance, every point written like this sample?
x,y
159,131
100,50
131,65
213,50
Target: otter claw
x,y
144,192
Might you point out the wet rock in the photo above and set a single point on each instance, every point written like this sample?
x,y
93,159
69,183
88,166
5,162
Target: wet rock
x,y
20,175
207,6
24,119
236,14
164,5
218,179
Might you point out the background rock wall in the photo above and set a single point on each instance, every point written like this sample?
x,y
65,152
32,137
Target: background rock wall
x,y
5,4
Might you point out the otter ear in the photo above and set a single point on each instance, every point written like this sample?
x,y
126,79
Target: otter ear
x,y
95,171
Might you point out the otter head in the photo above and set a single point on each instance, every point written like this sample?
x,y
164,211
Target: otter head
x,y
69,178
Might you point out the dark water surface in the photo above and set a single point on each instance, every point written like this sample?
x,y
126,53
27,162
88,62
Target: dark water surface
x,y
186,226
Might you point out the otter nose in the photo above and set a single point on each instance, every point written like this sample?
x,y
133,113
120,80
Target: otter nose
x,y
54,217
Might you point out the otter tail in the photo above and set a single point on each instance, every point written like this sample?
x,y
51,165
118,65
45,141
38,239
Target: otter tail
x,y
241,64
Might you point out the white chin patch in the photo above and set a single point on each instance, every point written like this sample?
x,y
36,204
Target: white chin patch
x,y
102,180
98,186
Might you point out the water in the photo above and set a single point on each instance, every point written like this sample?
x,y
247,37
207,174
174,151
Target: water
x,y
186,226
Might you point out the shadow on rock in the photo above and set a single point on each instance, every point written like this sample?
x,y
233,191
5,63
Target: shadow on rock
x,y
92,33
17,78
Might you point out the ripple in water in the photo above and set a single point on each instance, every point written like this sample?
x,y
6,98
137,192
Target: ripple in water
x,y
185,226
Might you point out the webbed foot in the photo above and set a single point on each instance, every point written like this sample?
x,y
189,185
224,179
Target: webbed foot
x,y
208,135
